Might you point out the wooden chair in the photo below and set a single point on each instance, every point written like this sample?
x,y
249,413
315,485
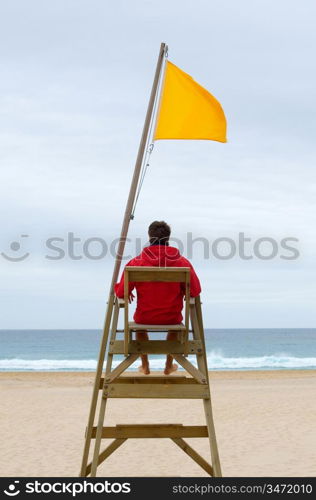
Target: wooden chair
x,y
133,274
119,383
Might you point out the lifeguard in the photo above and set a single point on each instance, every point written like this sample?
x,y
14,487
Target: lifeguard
x,y
159,303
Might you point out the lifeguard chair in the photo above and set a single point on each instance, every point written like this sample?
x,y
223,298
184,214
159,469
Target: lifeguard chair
x,y
192,385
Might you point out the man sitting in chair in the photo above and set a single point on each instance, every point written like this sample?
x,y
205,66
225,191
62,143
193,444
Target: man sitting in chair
x,y
159,303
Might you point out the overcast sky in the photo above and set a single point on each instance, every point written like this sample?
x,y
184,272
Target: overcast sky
x,y
74,87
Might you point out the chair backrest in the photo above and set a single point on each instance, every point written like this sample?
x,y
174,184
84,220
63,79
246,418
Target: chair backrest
x,y
157,274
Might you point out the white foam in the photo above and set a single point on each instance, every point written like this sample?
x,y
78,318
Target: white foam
x,y
275,361
216,361
47,364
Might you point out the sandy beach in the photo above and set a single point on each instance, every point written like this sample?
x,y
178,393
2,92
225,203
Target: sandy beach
x,y
265,423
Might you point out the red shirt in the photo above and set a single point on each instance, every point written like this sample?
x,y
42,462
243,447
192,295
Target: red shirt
x,y
159,303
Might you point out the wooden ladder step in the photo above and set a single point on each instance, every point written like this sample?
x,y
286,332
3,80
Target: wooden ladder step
x,y
193,390
152,379
155,347
125,431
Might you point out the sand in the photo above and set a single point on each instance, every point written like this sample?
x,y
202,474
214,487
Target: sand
x,y
265,423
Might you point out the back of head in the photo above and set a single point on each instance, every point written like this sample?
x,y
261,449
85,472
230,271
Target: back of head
x,y
159,233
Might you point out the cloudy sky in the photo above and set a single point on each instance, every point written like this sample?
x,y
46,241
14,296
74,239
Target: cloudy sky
x,y
74,87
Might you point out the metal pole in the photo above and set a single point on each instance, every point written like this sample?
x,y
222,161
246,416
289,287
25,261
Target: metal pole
x,y
137,170
119,256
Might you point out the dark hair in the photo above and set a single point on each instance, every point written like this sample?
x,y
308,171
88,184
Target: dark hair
x,y
159,233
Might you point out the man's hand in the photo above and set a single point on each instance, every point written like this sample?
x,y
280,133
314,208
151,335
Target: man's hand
x,y
131,297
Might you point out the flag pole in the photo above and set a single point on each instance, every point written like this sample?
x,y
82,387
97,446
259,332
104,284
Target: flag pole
x,y
120,252
138,166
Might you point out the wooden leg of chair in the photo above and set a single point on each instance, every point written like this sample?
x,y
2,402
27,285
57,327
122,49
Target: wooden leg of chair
x,y
98,437
197,323
107,370
126,339
212,438
98,375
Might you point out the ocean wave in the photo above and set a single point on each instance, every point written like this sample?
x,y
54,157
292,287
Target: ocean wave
x,y
216,361
18,364
272,362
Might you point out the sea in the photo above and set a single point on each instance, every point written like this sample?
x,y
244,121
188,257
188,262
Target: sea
x,y
227,349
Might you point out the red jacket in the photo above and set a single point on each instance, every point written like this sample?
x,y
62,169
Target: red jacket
x,y
159,303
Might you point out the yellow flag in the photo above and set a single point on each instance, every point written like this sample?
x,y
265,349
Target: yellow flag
x,y
187,110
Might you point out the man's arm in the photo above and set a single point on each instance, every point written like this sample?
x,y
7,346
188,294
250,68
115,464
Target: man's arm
x,y
119,287
195,286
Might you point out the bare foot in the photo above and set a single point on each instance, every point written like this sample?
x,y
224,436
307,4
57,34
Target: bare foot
x,y
170,369
144,369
